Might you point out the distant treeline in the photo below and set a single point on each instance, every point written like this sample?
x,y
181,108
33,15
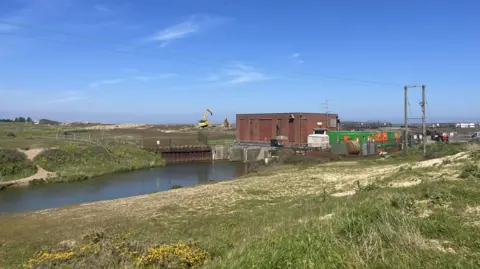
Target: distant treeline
x,y
29,120
19,119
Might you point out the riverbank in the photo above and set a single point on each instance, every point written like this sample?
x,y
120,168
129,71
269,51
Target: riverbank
x,y
74,161
394,213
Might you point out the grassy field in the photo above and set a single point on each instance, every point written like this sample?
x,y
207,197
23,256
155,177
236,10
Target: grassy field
x,y
26,135
387,213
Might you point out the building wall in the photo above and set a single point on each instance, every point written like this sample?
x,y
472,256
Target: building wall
x,y
262,127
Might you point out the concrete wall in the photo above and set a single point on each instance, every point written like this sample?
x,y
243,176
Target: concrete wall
x,y
220,152
240,153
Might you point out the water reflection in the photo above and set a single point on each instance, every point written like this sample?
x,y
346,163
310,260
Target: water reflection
x,y
116,186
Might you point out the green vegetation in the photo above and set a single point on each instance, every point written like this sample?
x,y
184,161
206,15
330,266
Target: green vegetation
x,y
48,122
14,165
73,162
378,215
415,154
122,251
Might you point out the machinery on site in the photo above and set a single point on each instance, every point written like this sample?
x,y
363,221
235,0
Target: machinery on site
x,y
475,137
203,123
439,137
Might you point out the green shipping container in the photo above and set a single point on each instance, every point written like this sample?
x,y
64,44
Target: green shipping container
x,y
391,137
335,136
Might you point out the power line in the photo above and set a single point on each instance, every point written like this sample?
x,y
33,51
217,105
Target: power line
x,y
151,48
410,108
429,113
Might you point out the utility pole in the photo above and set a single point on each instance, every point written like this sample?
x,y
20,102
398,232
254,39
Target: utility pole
x,y
424,123
405,133
326,113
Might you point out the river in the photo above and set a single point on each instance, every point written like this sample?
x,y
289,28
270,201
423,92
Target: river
x,y
116,185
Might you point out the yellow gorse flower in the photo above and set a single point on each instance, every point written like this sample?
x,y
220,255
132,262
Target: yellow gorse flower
x,y
44,257
181,254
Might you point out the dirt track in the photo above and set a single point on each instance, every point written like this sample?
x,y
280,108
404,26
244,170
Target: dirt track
x,y
41,173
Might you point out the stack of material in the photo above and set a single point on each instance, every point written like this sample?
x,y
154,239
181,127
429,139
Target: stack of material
x,y
318,141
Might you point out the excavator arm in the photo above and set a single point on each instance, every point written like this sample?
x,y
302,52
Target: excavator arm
x,y
206,112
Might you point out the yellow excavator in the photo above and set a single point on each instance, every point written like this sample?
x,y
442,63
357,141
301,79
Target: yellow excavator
x,y
204,122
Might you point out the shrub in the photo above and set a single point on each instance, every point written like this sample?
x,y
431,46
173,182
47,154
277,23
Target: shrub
x,y
13,162
176,186
470,171
177,255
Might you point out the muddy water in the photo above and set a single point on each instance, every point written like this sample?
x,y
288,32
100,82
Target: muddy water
x,y
116,185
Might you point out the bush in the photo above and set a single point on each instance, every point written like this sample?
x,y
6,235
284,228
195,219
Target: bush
x,y
51,159
15,164
176,186
470,171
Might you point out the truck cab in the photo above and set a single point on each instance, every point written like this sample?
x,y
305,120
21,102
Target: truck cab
x,y
475,136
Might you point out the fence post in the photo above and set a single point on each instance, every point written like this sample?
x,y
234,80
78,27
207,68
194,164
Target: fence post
x,y
73,136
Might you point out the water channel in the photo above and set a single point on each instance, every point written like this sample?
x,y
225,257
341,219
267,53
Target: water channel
x,y
116,185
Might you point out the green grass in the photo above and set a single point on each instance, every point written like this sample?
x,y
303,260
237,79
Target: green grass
x,y
74,162
15,165
368,230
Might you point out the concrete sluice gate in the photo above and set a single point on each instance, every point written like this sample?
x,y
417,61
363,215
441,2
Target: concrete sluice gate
x,y
240,153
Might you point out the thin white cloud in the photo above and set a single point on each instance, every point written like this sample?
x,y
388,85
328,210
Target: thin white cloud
x,y
105,82
296,57
192,25
177,31
241,73
211,78
66,97
102,8
153,77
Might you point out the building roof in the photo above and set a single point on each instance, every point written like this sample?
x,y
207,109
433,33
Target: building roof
x,y
283,113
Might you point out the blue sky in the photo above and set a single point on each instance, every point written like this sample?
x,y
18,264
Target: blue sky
x,y
167,61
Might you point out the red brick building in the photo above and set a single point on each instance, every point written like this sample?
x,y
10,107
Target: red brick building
x,y
295,126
